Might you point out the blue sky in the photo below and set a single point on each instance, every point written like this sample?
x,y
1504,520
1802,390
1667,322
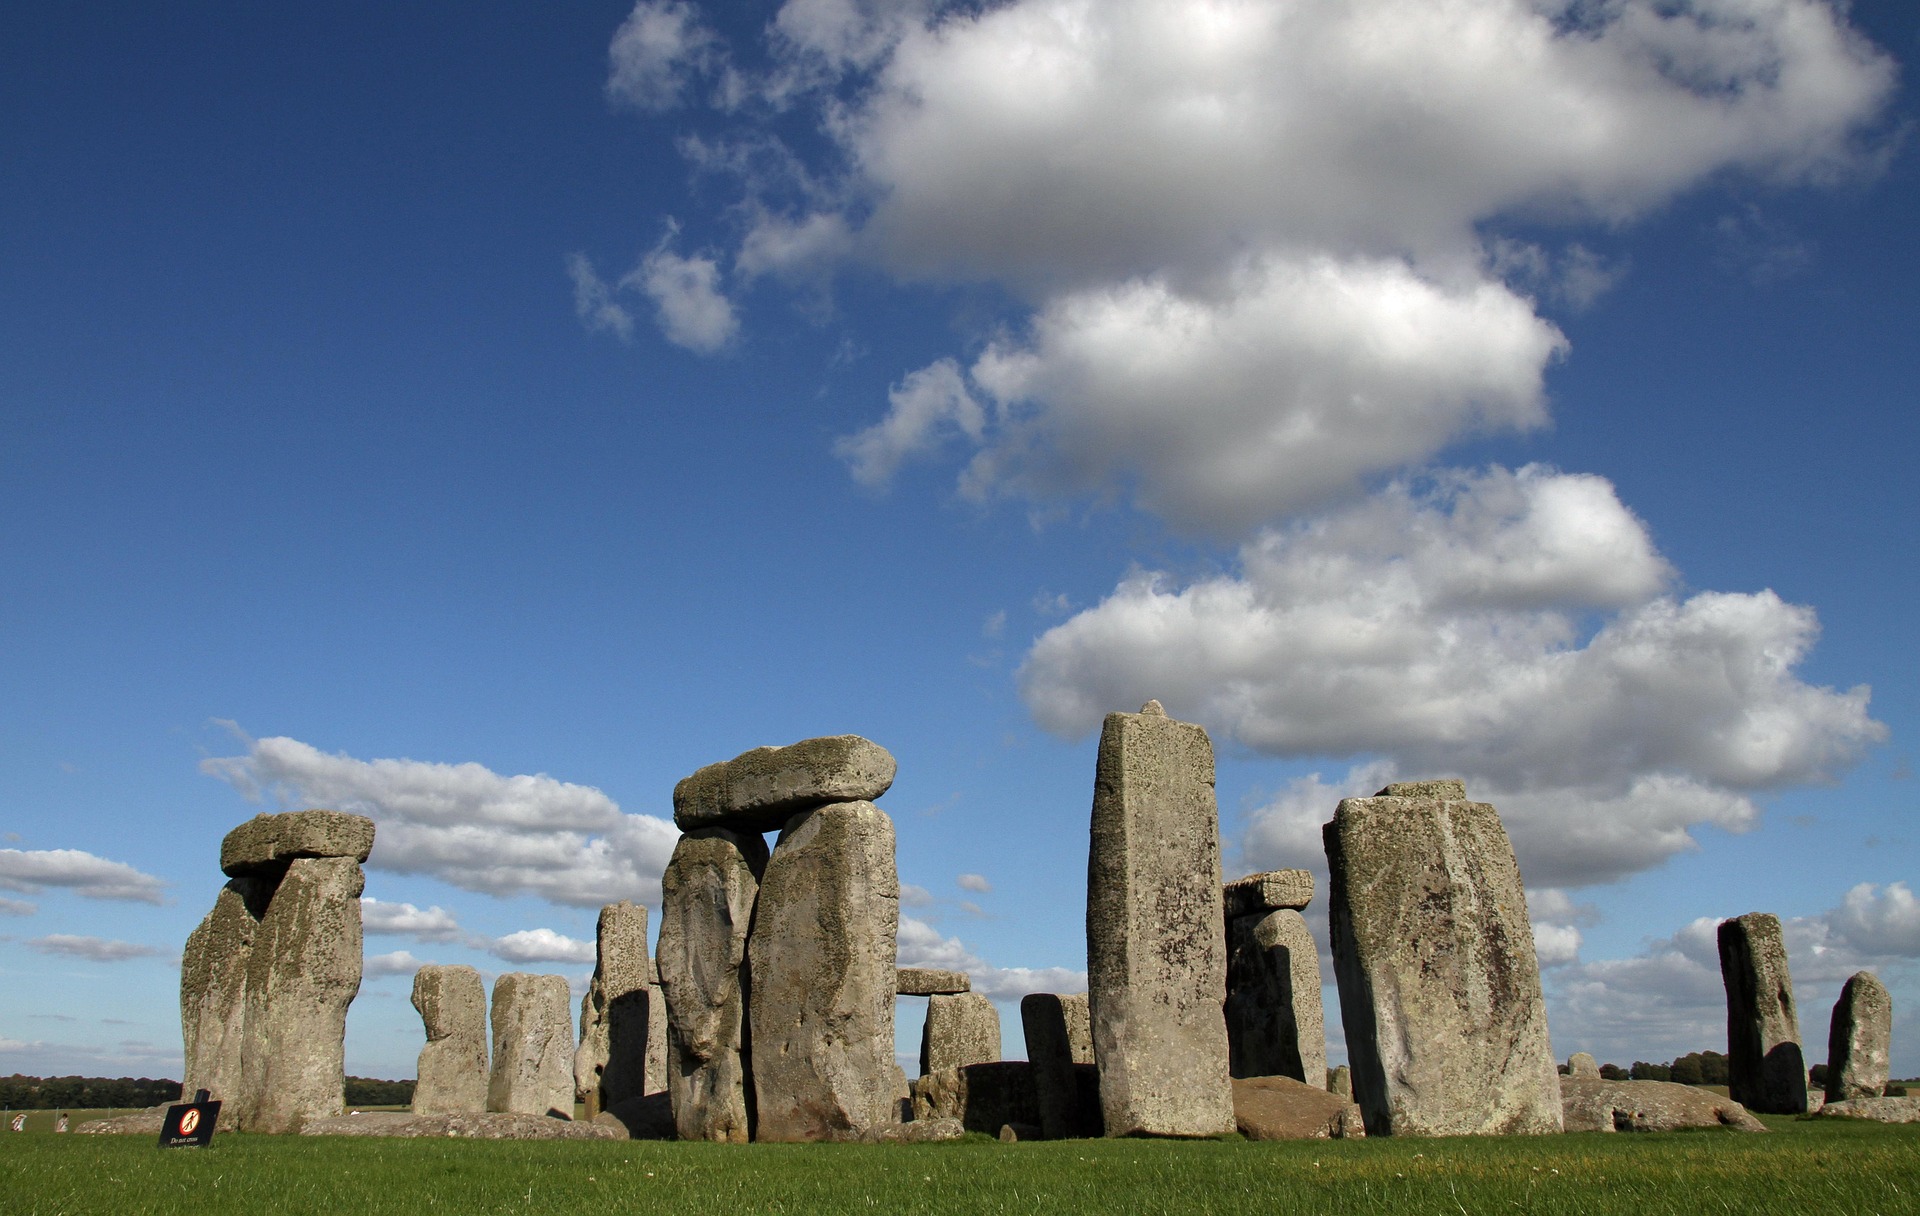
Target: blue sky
x,y
481,417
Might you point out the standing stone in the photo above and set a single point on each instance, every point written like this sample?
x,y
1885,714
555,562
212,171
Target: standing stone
x,y
1439,986
1340,1081
761,790
532,1046
1766,1069
1860,1040
452,1073
821,957
1275,1027
1583,1067
610,1064
1060,1050
961,1028
707,902
1156,952
213,992
302,973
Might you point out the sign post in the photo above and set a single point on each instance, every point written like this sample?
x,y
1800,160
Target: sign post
x,y
190,1123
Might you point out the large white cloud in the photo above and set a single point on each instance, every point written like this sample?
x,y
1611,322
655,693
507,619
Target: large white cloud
x,y
470,826
1259,239
31,871
1514,628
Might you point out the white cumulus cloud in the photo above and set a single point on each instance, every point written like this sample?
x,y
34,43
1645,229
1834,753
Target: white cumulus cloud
x,y
690,306
542,946
396,962
656,52
434,924
468,825
31,871
922,945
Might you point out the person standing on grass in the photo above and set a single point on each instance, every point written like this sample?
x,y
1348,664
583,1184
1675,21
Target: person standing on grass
x,y
60,1124
20,1122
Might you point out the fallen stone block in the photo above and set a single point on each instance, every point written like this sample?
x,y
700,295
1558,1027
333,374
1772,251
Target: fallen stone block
x,y
266,843
481,1125
759,790
920,1131
1880,1110
646,1118
1592,1105
1283,1108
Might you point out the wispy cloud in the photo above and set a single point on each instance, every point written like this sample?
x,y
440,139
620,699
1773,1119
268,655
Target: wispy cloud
x,y
32,871
95,949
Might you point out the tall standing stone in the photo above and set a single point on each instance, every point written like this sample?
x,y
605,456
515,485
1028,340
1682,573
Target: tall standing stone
x,y
1275,1027
303,972
1156,953
532,1046
1860,1040
821,957
213,992
1767,1071
961,1028
452,1072
707,900
1439,986
610,1065
1060,1049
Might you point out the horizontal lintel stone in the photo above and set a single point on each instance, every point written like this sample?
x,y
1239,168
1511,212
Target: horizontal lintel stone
x,y
269,842
1269,892
929,981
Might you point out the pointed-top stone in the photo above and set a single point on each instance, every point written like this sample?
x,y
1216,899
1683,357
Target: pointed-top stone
x,y
1859,1040
759,790
1155,708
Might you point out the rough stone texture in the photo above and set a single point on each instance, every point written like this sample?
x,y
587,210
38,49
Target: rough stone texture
x,y
1260,893
532,1046
930,981
266,843
1860,1039
1156,937
902,1094
302,973
961,1028
983,1097
920,1131
142,1123
610,1065
1282,1108
1583,1067
213,993
821,956
760,790
1592,1105
1880,1110
452,1073
470,1126
647,1118
708,894
1275,1027
1766,1070
1060,1050
1340,1081
1014,1133
1439,987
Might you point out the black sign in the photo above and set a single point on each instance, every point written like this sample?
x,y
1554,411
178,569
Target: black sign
x,y
190,1123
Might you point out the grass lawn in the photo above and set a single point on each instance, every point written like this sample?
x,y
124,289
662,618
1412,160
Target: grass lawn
x,y
1831,1166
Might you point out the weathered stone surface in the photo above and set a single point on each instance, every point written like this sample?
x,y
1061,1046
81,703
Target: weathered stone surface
x,y
1060,1050
452,1072
532,1046
1859,1039
902,1094
1583,1067
821,957
1275,1027
646,1118
1340,1081
302,973
708,894
983,1097
930,981
610,1065
213,993
476,1125
1766,1069
141,1123
1283,1108
1014,1133
1156,938
266,843
961,1028
1593,1105
1880,1110
1257,894
760,790
1439,986
920,1131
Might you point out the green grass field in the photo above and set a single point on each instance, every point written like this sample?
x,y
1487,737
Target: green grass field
x,y
1826,1166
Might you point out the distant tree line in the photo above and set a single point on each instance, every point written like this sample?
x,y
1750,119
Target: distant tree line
x,y
1694,1068
84,1093
366,1091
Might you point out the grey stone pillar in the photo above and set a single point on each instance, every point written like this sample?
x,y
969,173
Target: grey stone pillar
x,y
532,1046
1860,1039
451,1078
1767,1070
